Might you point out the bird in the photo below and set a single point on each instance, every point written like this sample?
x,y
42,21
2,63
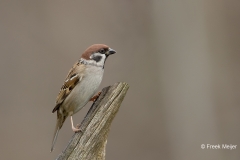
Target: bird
x,y
80,85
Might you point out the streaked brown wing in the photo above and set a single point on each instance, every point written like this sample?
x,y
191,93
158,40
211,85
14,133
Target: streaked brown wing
x,y
71,81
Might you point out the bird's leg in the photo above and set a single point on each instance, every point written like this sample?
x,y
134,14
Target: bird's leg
x,y
94,98
73,128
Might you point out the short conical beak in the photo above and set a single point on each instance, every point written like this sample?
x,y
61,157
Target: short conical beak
x,y
110,51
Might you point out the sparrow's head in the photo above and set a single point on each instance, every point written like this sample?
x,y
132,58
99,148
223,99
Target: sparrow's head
x,y
97,54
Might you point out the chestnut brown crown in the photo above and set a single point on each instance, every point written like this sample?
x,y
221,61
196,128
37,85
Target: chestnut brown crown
x,y
97,48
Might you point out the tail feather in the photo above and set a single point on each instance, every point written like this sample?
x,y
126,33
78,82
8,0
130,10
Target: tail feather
x,y
55,135
60,121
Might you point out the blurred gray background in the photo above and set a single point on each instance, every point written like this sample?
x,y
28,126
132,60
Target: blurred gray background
x,y
181,59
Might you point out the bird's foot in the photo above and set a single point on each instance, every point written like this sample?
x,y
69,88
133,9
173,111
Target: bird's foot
x,y
73,128
94,98
76,129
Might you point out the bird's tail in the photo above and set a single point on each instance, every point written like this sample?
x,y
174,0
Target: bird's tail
x,y
58,127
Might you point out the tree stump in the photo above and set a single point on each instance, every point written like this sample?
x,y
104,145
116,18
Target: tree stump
x,y
90,143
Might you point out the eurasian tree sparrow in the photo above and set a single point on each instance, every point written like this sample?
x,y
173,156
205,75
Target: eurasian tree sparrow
x,y
80,85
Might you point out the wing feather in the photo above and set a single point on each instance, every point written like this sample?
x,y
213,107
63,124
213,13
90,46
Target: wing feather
x,y
71,81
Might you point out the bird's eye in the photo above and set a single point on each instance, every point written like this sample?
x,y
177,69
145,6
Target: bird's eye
x,y
102,51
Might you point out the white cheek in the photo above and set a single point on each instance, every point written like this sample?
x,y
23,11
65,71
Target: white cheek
x,y
103,59
91,57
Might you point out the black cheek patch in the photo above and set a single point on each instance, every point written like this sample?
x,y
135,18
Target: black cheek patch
x,y
97,58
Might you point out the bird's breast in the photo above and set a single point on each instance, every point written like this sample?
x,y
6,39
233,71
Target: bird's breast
x,y
84,90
